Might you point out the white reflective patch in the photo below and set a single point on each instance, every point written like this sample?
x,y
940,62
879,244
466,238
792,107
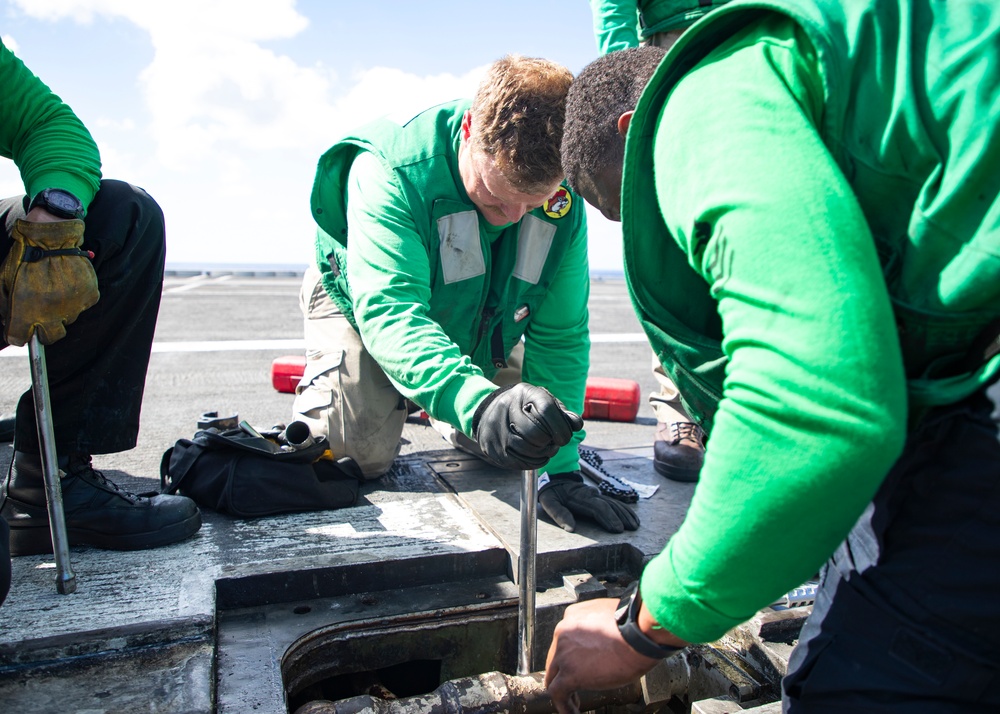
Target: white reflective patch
x,y
461,249
533,246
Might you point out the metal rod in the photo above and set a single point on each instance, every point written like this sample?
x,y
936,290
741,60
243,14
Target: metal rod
x,y
65,579
526,571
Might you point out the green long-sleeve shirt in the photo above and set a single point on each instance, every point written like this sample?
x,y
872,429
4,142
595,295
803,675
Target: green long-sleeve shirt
x,y
47,142
437,294
814,408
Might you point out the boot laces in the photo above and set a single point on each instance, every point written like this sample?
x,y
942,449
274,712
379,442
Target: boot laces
x,y
687,430
81,465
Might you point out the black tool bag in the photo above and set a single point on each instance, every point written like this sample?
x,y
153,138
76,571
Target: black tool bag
x,y
243,474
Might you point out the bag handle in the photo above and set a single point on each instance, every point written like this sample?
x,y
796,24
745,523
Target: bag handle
x,y
169,483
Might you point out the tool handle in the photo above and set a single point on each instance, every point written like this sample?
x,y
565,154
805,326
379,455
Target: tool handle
x,y
65,579
526,570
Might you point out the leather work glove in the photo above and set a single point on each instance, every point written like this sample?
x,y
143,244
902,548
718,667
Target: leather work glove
x,y
46,281
522,426
566,496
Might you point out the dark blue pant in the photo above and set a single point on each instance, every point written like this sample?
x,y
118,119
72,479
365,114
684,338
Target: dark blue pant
x,y
97,373
908,615
5,567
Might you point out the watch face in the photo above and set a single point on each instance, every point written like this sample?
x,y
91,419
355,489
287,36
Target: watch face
x,y
63,201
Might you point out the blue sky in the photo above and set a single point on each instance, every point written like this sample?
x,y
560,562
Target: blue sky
x,y
220,108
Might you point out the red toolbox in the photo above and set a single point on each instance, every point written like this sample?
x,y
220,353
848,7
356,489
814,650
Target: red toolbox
x,y
611,398
287,371
607,398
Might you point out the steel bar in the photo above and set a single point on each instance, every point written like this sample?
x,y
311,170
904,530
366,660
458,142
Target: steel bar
x,y
526,571
65,579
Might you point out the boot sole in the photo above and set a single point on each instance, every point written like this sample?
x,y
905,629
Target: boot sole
x,y
37,539
675,474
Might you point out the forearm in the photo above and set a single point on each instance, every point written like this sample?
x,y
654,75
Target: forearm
x,y
46,140
616,24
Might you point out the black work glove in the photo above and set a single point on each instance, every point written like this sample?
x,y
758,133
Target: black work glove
x,y
566,496
522,426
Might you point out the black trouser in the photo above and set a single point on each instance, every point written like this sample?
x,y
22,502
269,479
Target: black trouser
x,y
5,567
97,372
908,614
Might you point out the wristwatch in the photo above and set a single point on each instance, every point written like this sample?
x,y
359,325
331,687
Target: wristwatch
x,y
627,616
58,202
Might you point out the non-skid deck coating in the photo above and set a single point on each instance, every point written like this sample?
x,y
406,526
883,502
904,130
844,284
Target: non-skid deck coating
x,y
145,621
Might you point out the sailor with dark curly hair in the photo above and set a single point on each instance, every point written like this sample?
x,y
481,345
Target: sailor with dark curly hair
x,y
810,206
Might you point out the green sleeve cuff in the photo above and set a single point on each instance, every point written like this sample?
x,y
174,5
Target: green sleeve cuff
x,y
568,457
677,609
81,188
458,401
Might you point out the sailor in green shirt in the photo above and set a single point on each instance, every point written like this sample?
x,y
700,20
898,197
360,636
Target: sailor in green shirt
x,y
82,268
811,222
442,243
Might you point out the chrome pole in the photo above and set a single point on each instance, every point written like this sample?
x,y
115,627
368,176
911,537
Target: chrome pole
x,y
526,570
65,579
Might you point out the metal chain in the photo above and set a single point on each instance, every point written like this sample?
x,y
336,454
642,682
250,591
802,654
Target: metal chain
x,y
606,483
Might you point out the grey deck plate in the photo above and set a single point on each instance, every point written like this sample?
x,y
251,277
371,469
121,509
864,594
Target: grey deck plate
x,y
494,496
400,519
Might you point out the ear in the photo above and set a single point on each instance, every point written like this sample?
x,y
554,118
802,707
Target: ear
x,y
466,125
623,121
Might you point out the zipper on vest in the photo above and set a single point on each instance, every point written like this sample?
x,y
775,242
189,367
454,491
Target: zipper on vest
x,y
496,344
497,356
484,327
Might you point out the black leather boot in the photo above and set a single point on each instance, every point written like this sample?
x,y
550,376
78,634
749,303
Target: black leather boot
x,y
4,561
98,512
6,428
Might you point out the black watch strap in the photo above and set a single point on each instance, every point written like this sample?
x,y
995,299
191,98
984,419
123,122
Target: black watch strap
x,y
628,626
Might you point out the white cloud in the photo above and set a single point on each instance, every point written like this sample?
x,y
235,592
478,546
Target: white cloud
x,y
211,87
235,128
385,91
10,43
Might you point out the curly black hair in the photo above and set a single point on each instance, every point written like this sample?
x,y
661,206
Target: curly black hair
x,y
605,89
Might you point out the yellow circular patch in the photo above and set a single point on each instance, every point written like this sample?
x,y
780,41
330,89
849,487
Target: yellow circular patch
x,y
560,203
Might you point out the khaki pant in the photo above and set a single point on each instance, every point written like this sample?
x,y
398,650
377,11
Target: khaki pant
x,y
664,40
344,394
666,403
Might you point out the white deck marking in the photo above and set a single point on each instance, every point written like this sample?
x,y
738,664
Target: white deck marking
x,y
197,281
289,344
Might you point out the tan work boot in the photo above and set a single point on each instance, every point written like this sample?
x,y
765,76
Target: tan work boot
x,y
679,450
